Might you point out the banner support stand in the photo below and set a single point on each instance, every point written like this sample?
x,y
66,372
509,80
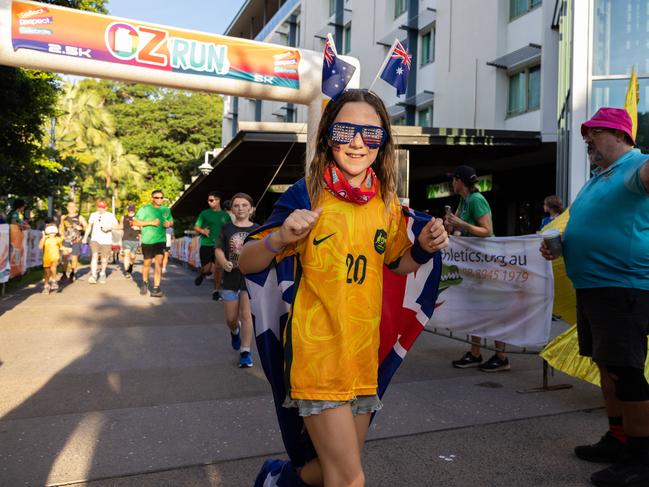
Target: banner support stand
x,y
545,387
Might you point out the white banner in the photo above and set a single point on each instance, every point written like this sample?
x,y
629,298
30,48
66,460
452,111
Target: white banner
x,y
33,253
498,288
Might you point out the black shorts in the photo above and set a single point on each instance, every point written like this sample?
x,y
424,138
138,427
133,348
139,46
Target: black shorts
x,y
612,325
149,251
207,254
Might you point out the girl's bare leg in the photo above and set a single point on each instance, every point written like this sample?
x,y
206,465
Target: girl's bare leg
x,y
338,438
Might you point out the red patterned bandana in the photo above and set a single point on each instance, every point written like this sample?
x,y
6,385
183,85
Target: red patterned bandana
x,y
338,185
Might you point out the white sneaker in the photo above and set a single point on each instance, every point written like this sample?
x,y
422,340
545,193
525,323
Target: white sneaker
x,y
164,270
46,289
102,278
92,279
53,285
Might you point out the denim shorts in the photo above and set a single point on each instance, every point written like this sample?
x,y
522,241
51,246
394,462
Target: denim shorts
x,y
130,245
360,405
229,294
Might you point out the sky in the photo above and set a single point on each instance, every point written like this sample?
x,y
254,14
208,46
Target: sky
x,y
212,16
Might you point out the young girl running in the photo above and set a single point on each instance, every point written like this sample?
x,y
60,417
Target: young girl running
x,y
235,296
331,339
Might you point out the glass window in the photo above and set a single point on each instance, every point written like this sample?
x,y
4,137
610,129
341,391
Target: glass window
x,y
399,121
524,91
332,7
399,7
347,39
516,94
425,117
534,88
612,92
428,47
520,7
621,37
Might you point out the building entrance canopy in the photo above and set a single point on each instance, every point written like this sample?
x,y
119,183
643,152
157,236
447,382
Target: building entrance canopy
x,y
265,153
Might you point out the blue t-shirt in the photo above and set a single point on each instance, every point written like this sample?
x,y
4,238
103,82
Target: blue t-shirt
x,y
606,241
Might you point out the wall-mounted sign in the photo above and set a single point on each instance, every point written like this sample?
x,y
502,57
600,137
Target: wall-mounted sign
x,y
85,35
444,190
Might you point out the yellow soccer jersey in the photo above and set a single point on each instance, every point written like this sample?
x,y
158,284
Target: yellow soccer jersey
x,y
332,335
51,248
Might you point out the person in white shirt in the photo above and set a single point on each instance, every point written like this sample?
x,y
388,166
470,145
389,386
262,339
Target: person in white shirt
x,y
100,229
169,235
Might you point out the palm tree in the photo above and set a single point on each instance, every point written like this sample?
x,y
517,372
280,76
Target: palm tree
x,y
116,167
83,122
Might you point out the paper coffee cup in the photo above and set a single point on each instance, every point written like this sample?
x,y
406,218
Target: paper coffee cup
x,y
552,239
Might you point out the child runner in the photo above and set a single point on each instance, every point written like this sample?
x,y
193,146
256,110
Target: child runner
x,y
51,244
236,301
332,333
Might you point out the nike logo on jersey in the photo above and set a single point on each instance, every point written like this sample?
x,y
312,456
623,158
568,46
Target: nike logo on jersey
x,y
317,241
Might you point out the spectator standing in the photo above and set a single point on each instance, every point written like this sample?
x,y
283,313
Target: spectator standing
x,y
553,206
473,219
605,250
100,230
208,226
50,244
130,240
17,215
236,301
153,219
72,228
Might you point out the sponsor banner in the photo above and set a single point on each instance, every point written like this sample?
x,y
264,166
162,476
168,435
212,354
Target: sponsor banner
x,y
34,255
84,35
187,249
498,288
17,251
4,252
193,252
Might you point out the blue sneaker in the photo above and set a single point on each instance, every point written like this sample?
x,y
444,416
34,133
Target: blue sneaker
x,y
245,360
236,340
278,473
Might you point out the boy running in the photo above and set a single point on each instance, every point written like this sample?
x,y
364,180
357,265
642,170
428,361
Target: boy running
x,y
208,226
235,296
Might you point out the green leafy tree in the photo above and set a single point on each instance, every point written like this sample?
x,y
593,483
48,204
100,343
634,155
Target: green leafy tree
x,y
28,99
170,129
119,169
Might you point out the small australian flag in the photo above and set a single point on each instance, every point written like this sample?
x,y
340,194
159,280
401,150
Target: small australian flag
x,y
336,73
397,67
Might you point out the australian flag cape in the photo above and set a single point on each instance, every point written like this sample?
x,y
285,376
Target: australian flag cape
x,y
408,303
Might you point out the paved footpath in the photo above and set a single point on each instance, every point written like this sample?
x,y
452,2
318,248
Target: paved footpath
x,y
100,387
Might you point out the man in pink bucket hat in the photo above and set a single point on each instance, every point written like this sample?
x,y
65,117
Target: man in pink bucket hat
x,y
606,251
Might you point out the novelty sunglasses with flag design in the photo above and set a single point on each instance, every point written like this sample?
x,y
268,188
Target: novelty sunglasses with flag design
x,y
343,133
